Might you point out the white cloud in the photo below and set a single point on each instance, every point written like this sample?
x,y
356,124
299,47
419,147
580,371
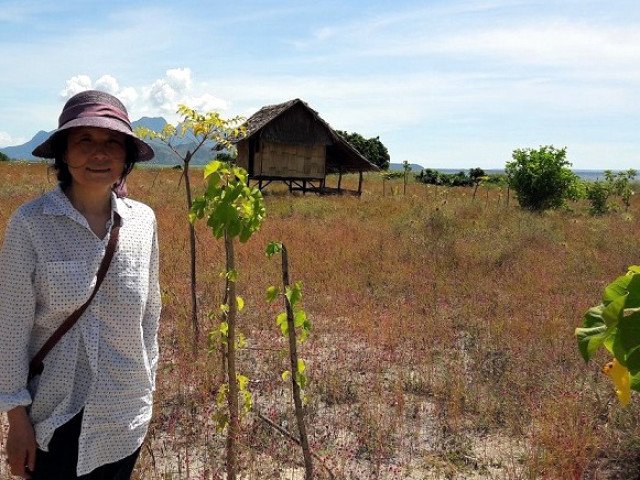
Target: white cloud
x,y
179,78
107,83
5,139
562,44
128,96
159,98
75,85
172,89
161,95
207,103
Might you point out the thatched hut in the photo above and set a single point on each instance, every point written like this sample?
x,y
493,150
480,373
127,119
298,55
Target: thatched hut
x,y
289,142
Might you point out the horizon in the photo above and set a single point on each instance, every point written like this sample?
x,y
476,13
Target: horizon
x,y
456,83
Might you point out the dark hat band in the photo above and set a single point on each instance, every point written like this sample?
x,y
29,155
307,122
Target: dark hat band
x,y
92,110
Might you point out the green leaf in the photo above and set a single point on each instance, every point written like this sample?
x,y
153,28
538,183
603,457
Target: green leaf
x,y
272,293
301,380
301,366
633,299
299,318
224,308
627,342
285,375
247,403
294,293
633,360
627,285
224,328
211,167
221,420
303,335
635,382
273,248
240,303
613,312
232,275
281,320
589,339
593,332
243,381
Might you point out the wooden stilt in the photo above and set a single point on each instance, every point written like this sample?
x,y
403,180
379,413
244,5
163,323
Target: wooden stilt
x,y
360,184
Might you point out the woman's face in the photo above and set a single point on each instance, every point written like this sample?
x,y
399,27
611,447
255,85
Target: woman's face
x,y
95,156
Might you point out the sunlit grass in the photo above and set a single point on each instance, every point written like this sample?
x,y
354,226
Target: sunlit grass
x,y
442,324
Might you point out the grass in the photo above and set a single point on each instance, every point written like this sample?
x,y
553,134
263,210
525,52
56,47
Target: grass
x,y
442,344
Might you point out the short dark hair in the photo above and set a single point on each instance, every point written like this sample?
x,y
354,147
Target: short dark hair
x,y
62,169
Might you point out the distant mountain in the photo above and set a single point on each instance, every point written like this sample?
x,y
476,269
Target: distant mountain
x,y
154,123
163,154
23,152
398,166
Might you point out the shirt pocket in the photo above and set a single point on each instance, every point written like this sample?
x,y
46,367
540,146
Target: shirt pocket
x,y
67,285
125,291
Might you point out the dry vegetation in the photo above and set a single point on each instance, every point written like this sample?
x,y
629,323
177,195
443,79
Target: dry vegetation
x,y
442,345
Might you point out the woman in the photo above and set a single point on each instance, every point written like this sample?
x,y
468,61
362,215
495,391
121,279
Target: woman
x,y
87,413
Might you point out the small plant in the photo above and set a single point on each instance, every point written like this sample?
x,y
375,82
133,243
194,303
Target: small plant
x,y
406,169
203,128
615,325
295,326
232,210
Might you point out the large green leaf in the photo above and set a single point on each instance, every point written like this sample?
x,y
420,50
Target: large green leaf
x,y
590,339
627,285
615,289
633,298
612,313
626,346
635,382
593,332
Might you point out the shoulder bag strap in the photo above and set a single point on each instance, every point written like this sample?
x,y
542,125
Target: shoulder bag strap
x,y
36,366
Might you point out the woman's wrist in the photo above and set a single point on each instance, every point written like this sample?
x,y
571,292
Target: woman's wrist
x,y
17,414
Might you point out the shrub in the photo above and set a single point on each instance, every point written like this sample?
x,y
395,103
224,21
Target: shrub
x,y
598,194
499,179
434,177
541,178
620,184
4,158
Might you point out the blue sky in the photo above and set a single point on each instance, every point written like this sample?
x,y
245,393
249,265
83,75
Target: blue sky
x,y
454,84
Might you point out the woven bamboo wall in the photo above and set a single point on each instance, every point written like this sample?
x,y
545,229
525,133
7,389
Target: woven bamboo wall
x,y
290,161
243,154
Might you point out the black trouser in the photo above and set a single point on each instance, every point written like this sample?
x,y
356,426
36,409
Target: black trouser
x,y
60,462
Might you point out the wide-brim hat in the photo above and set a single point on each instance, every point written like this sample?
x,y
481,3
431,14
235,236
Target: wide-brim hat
x,y
93,108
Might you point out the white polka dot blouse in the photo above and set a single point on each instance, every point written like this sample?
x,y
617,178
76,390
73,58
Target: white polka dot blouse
x,y
106,363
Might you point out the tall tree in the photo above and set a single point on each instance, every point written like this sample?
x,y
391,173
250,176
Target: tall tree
x,y
370,148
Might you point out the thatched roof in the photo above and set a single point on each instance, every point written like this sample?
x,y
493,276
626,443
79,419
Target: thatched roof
x,y
341,155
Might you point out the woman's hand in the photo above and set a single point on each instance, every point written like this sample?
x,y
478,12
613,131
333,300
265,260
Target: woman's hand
x,y
21,443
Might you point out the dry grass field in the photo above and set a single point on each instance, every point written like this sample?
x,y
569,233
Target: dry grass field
x,y
442,342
